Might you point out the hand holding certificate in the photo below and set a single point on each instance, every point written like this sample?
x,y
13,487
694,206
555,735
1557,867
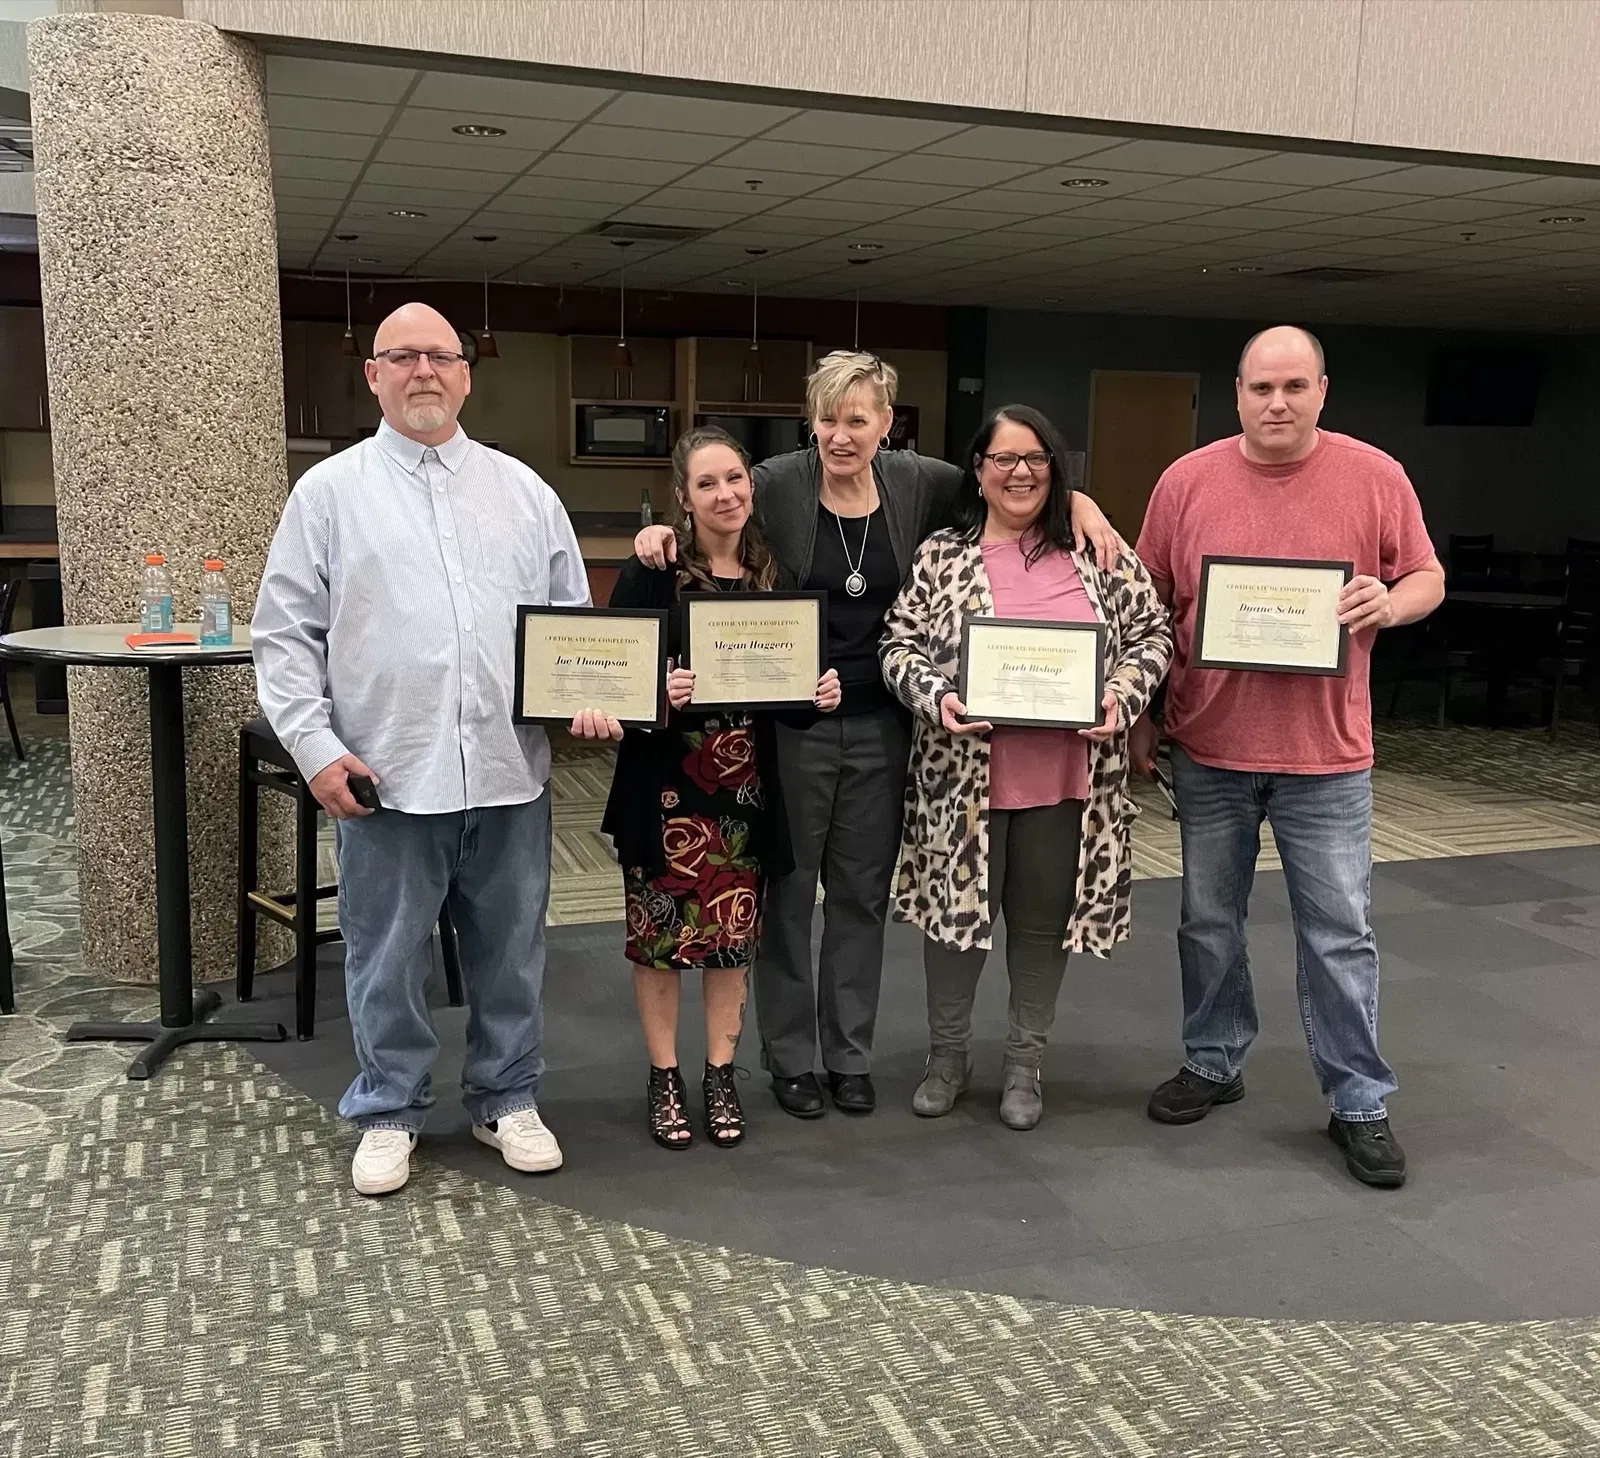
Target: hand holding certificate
x,y
1042,674
753,650
1272,615
609,662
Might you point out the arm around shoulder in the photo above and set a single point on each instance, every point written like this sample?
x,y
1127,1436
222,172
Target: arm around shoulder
x,y
1147,641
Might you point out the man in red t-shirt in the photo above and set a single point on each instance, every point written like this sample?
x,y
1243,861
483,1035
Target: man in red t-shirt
x,y
1291,748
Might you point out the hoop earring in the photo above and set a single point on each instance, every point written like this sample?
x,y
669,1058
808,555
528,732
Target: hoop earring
x,y
883,444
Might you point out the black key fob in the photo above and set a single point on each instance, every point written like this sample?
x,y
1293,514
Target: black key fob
x,y
364,792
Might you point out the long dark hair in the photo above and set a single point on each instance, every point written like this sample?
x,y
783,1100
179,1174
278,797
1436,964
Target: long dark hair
x,y
1052,529
755,556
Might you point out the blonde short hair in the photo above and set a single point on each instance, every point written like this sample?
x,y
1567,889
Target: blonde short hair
x,y
837,374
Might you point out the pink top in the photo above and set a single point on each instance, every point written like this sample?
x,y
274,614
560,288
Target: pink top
x,y
1029,767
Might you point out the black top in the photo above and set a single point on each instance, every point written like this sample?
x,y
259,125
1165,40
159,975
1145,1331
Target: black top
x,y
633,818
855,624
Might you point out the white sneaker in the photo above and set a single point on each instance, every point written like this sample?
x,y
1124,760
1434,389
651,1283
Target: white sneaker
x,y
383,1161
523,1141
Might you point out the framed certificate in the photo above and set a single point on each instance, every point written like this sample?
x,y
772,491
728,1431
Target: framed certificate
x,y
754,650
572,658
1039,674
1276,615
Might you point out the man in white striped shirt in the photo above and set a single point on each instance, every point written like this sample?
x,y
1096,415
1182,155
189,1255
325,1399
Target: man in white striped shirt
x,y
384,645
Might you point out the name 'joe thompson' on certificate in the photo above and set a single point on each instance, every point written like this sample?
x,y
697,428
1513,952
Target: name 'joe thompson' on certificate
x,y
1278,615
754,650
610,660
1042,674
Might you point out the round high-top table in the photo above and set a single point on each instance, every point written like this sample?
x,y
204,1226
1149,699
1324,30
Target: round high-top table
x,y
183,1012
1508,616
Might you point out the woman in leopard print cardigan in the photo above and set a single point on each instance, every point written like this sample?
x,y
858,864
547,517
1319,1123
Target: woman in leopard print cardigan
x,y
995,817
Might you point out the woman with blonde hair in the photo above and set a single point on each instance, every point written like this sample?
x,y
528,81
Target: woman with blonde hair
x,y
695,809
844,516
1031,823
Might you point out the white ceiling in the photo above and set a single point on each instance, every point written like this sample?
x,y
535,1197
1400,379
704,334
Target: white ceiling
x,y
959,213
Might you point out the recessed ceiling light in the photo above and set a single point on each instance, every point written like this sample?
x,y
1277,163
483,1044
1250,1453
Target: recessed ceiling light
x,y
1244,268
866,248
478,129
484,237
1086,182
405,213
1052,298
1572,288
346,237
734,283
1561,220
369,260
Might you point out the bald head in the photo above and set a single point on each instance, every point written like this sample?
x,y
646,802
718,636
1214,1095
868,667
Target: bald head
x,y
421,395
1281,336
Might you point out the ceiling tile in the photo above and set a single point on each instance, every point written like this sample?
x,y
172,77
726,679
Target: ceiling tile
x,y
1180,159
501,162
1197,231
964,218
1308,169
341,80
580,189
608,169
422,183
1246,220
531,205
496,96
1444,181
290,187
949,171
881,190
664,212
1344,201
1141,209
1017,144
801,157
337,169
1071,225
1116,184
845,212
644,145
1452,210
313,114
523,134
292,142
862,129
726,203
1549,191
1215,192
691,114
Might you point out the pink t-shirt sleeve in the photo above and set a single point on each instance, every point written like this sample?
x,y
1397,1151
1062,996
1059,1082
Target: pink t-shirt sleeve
x,y
1404,546
1155,536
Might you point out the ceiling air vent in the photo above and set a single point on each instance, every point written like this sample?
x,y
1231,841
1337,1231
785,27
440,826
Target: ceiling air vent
x,y
646,232
1334,275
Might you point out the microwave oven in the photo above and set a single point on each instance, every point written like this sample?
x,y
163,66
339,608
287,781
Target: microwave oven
x,y
637,432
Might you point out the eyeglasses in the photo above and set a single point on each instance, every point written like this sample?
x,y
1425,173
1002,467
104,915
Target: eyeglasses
x,y
1035,461
405,359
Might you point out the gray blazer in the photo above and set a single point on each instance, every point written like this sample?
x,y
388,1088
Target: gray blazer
x,y
917,493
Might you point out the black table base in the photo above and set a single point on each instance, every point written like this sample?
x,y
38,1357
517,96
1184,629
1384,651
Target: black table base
x,y
163,1040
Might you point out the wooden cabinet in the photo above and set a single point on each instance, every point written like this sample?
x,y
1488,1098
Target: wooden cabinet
x,y
593,378
320,383
25,400
723,373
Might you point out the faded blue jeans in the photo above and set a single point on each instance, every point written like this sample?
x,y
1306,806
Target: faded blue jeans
x,y
395,871
1323,828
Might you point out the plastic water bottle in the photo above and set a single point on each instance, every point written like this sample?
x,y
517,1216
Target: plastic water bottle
x,y
155,596
216,606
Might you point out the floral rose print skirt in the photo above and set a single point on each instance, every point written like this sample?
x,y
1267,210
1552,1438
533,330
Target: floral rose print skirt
x,y
704,910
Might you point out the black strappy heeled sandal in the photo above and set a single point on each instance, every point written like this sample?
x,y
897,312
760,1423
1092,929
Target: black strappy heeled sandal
x,y
666,1109
724,1116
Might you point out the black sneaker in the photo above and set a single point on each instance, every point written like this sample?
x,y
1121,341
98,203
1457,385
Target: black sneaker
x,y
1371,1152
1187,1097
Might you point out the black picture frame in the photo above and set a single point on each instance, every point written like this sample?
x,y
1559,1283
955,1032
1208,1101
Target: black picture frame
x,y
519,686
1340,670
1097,628
686,657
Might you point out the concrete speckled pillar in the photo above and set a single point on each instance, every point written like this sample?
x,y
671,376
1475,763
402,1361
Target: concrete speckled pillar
x,y
157,251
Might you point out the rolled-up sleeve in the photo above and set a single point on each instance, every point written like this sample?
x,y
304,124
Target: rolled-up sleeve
x,y
289,635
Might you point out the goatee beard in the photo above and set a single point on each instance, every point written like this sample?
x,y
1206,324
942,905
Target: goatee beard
x,y
426,416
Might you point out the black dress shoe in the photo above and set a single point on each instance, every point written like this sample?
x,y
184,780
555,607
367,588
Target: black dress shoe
x,y
801,1096
853,1093
1187,1097
1371,1152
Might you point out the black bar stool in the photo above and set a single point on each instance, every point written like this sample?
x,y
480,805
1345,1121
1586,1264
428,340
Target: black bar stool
x,y
264,762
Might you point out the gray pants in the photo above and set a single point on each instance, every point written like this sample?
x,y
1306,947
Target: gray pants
x,y
1033,860
844,793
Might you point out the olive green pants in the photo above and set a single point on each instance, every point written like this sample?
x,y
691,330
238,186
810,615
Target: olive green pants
x,y
1033,875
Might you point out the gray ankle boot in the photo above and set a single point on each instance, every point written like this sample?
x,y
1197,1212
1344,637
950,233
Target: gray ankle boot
x,y
946,1079
1021,1099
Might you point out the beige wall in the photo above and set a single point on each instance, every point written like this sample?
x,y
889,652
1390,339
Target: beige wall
x,y
1510,78
27,477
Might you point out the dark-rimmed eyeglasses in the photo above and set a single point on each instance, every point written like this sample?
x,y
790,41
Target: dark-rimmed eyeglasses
x,y
1035,461
440,359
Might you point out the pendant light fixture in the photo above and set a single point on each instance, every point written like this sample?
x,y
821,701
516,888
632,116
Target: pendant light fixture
x,y
752,357
622,356
487,348
348,345
855,343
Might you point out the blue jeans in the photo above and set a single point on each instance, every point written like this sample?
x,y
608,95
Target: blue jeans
x,y
1323,827
395,871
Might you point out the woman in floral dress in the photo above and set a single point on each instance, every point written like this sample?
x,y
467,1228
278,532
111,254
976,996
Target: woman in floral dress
x,y
695,809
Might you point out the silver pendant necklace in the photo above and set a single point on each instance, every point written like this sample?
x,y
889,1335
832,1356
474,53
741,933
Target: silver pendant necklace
x,y
856,583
